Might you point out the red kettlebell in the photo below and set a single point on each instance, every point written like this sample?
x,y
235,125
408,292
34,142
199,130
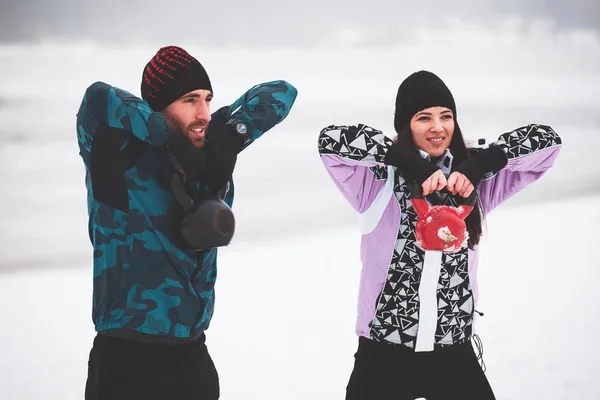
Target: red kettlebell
x,y
441,228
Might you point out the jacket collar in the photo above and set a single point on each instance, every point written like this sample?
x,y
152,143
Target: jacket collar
x,y
444,162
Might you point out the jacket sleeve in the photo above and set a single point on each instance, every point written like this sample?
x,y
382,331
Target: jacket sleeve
x,y
264,106
531,151
353,157
109,106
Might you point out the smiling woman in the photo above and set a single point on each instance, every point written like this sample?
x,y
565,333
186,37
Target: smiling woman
x,y
417,305
432,130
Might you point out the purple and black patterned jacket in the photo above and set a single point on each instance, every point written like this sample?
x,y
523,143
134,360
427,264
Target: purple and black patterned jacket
x,y
420,299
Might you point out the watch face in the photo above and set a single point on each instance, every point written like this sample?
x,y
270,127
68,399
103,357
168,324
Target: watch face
x,y
241,128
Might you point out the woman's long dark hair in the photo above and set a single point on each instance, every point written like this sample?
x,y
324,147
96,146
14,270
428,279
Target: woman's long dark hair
x,y
460,153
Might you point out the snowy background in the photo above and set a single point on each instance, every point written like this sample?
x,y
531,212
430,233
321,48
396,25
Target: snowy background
x,y
287,286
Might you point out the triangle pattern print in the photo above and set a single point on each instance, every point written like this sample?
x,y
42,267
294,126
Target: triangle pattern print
x,y
397,314
528,139
455,297
360,143
455,300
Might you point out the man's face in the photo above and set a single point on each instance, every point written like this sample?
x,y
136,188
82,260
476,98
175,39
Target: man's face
x,y
189,115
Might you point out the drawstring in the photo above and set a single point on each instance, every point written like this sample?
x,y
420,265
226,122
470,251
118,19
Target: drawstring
x,y
479,312
479,345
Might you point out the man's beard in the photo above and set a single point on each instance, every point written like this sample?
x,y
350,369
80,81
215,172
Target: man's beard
x,y
179,128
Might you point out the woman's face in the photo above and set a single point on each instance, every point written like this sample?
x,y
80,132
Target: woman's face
x,y
432,130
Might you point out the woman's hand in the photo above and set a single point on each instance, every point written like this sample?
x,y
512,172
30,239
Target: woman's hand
x,y
459,183
437,181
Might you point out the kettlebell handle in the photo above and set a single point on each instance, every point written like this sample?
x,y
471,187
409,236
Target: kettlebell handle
x,y
178,190
422,207
416,192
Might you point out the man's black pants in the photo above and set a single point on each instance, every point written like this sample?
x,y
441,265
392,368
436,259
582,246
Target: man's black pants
x,y
124,369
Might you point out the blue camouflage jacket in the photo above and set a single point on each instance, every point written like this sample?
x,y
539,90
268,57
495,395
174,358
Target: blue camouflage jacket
x,y
143,281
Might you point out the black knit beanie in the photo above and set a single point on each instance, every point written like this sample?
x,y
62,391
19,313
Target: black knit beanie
x,y
170,74
419,91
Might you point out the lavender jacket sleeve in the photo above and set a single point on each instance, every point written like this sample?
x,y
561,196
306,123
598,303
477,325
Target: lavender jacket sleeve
x,y
353,156
531,151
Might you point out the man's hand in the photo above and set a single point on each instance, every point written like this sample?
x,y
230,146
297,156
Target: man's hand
x,y
222,148
437,181
459,183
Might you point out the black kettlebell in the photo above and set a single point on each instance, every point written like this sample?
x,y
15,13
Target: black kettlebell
x,y
205,224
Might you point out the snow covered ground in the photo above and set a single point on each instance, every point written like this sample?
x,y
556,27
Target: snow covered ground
x,y
284,319
287,286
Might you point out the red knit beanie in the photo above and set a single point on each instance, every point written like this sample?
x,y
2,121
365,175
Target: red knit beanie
x,y
170,74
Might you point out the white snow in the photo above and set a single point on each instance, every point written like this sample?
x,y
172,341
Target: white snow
x,y
287,286
284,319
445,234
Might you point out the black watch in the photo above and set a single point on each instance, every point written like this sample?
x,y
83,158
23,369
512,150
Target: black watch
x,y
241,128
